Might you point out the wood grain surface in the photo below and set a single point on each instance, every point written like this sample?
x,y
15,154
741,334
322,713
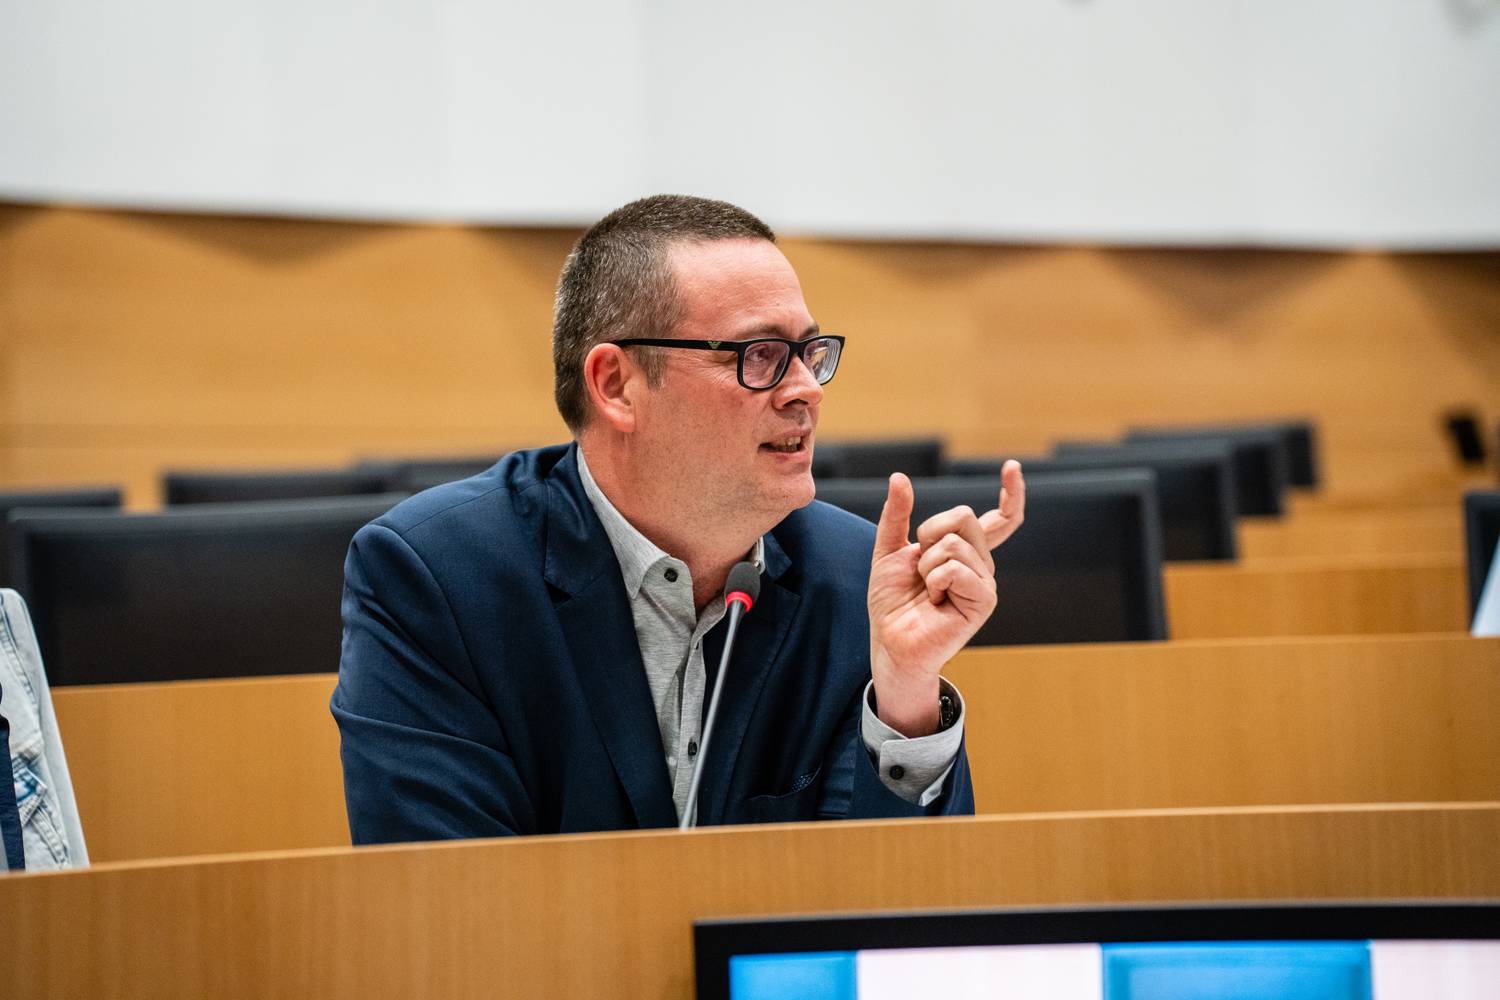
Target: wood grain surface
x,y
1242,722
1344,595
1406,530
610,915
136,341
253,764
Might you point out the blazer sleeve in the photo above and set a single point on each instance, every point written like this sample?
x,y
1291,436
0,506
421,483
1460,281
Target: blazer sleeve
x,y
424,754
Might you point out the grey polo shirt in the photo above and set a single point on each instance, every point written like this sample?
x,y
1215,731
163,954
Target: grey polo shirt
x,y
670,633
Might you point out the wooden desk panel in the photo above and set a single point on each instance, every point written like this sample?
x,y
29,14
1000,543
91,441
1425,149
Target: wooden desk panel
x,y
1385,481
1346,596
1395,532
610,915
1216,723
253,764
204,767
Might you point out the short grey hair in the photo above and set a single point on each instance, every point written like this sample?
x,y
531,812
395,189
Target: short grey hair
x,y
617,283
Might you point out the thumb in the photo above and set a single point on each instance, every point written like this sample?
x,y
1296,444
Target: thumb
x,y
895,517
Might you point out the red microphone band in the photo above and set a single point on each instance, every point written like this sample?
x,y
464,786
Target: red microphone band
x,y
738,595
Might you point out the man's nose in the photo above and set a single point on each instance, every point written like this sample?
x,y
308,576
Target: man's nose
x,y
798,385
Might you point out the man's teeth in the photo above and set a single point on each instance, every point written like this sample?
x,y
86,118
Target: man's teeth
x,y
787,444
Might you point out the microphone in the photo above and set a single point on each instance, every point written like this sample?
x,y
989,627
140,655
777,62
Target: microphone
x,y
740,592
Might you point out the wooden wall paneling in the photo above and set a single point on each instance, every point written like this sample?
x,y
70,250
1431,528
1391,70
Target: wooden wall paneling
x,y
1318,596
134,339
221,340
610,915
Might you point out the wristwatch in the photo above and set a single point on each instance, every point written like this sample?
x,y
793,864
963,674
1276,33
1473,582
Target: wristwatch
x,y
947,711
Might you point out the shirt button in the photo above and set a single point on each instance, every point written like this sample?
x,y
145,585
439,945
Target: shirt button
x,y
897,772
671,575
692,748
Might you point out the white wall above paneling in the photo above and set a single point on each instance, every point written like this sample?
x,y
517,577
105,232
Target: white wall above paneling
x,y
1280,122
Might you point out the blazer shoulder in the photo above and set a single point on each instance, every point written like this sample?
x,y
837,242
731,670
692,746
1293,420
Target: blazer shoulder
x,y
496,493
490,520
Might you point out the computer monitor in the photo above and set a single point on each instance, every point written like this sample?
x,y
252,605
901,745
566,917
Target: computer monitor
x,y
1481,535
1195,489
183,487
877,459
221,590
1298,951
1085,567
107,497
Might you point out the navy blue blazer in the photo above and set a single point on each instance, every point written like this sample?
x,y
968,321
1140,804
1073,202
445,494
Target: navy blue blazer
x,y
491,682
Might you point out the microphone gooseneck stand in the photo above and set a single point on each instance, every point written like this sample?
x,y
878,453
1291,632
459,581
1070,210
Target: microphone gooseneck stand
x,y
741,591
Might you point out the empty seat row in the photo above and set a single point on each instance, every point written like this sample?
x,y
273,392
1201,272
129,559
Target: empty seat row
x,y
235,590
365,478
246,589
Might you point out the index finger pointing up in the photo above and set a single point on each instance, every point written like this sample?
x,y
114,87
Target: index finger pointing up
x,y
1002,522
895,517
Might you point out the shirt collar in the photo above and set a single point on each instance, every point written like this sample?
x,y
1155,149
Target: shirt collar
x,y
637,553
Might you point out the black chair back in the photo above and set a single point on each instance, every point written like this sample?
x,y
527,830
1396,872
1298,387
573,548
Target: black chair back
x,y
181,487
413,475
1260,463
1299,438
1195,489
917,457
107,497
220,590
1085,567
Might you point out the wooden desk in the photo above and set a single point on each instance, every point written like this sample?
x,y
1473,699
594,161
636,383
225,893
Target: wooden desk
x,y
610,915
204,767
1323,596
1393,532
253,764
1224,723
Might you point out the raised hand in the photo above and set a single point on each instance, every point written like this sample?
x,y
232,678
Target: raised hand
x,y
927,598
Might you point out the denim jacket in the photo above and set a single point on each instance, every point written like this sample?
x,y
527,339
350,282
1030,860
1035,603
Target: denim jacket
x,y
14,855
50,827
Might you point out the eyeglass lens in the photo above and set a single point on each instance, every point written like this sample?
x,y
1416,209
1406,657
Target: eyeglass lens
x,y
766,362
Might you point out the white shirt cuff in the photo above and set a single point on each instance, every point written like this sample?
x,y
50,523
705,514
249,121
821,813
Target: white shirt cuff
x,y
913,768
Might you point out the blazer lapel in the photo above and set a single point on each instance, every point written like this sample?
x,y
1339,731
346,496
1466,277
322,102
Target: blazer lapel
x,y
596,623
756,656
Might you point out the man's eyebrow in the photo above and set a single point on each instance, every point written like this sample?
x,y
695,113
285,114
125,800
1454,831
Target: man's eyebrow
x,y
771,330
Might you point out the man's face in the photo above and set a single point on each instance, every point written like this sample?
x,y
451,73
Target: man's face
x,y
722,445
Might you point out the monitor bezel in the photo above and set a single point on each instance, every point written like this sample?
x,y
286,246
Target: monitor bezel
x,y
715,941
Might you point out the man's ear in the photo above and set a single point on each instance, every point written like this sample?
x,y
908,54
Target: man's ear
x,y
613,382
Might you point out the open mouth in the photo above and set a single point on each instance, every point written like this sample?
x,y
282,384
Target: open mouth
x,y
787,445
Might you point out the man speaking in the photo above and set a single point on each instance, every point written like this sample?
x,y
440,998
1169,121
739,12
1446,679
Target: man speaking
x,y
528,651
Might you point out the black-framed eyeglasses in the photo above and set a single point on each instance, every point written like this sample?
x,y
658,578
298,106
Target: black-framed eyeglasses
x,y
764,361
